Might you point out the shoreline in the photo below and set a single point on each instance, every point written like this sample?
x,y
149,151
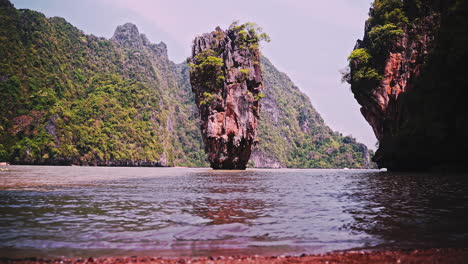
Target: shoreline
x,y
174,167
442,256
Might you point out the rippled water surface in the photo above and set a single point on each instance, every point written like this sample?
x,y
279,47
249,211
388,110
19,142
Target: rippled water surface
x,y
89,211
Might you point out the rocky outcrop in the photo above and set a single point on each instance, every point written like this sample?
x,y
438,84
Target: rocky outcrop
x,y
403,74
149,62
227,81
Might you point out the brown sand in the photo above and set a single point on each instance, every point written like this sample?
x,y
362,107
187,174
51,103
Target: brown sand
x,y
431,256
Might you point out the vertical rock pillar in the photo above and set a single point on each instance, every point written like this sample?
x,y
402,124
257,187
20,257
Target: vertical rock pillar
x,y
227,81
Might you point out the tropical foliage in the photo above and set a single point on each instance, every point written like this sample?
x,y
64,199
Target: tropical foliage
x,y
292,132
71,98
385,27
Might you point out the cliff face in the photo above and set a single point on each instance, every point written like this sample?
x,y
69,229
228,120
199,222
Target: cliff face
x,y
292,134
226,79
71,98
403,74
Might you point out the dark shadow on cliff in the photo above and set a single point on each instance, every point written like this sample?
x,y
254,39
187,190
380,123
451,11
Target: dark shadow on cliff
x,y
415,97
434,133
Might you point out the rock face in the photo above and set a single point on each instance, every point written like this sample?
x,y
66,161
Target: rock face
x,y
406,75
227,81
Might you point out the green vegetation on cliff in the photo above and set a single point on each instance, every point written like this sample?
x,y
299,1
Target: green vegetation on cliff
x,y
385,27
74,98
71,98
292,133
250,35
407,73
207,66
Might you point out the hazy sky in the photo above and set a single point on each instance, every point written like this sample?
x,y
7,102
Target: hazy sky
x,y
310,39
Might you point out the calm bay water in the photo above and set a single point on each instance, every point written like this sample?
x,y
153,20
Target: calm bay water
x,y
89,211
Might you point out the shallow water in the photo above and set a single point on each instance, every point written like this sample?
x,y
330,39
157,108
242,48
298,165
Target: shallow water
x,y
96,211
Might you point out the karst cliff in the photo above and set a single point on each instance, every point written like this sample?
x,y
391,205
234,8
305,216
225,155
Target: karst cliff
x,y
407,73
71,98
226,79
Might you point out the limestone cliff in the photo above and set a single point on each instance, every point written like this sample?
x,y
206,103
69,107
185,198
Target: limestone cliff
x,y
406,74
227,81
292,133
71,98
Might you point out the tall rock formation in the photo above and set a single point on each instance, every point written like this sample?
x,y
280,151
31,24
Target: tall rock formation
x,y
227,81
407,74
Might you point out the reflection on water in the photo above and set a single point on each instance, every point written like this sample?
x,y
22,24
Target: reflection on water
x,y
411,210
82,211
226,202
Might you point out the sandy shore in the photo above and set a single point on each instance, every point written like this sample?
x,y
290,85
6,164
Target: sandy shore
x,y
452,256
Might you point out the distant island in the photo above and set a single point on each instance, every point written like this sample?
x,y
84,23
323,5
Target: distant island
x,y
70,98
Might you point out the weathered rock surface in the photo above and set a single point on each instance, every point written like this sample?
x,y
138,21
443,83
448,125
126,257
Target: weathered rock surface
x,y
415,106
227,81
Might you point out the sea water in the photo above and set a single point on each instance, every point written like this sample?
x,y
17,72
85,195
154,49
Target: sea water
x,y
50,211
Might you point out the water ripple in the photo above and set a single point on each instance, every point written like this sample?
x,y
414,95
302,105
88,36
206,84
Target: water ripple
x,y
84,210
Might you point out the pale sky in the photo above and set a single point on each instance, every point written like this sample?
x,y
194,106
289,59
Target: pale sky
x,y
310,39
